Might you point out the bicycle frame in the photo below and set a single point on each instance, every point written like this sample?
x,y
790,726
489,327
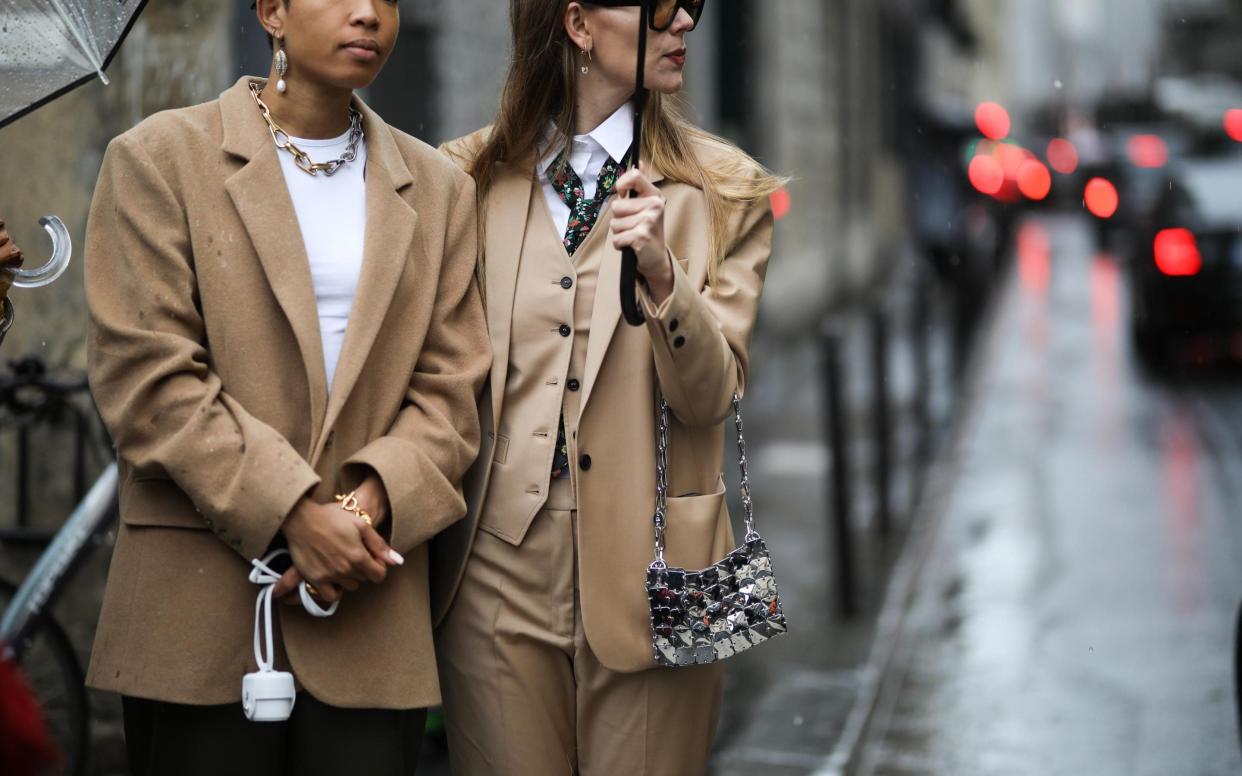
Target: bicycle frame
x,y
65,553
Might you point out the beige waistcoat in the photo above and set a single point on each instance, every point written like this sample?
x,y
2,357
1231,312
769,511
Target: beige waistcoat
x,y
551,324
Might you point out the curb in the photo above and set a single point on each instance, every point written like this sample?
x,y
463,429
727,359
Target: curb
x,y
876,679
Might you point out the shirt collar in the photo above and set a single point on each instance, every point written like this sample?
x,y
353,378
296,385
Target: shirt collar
x,y
614,136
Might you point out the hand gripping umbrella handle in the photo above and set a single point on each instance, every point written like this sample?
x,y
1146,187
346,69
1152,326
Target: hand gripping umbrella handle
x,y
62,250
629,259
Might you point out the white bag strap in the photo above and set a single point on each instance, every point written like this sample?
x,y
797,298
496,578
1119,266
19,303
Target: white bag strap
x,y
263,575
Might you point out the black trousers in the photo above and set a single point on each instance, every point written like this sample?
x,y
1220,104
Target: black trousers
x,y
171,739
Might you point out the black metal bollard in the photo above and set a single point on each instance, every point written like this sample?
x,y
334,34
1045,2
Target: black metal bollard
x,y
839,483
920,337
881,419
23,477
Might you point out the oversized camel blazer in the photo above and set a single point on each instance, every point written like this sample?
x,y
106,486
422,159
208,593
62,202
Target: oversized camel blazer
x,y
697,347
206,363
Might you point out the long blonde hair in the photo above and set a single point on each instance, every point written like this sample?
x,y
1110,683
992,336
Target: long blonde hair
x,y
542,84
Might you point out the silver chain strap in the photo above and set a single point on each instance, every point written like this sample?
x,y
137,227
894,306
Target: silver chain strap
x,y
747,504
661,510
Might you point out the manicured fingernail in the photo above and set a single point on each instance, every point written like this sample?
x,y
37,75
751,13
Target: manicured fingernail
x,y
396,557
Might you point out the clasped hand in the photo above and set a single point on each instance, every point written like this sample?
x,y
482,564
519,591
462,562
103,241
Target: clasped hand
x,y
638,223
334,550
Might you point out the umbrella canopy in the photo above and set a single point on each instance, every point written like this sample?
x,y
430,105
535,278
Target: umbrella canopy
x,y
48,47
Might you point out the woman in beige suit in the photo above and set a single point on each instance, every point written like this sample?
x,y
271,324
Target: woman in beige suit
x,y
545,646
286,345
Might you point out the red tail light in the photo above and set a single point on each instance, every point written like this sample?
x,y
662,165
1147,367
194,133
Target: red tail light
x,y
1034,180
986,175
1233,124
1100,197
993,120
1148,151
1177,253
1063,156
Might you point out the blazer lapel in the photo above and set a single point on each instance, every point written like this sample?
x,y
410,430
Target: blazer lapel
x,y
262,200
606,312
508,209
390,228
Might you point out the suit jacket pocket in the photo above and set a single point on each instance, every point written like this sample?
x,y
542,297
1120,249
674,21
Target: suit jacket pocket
x,y
698,529
158,501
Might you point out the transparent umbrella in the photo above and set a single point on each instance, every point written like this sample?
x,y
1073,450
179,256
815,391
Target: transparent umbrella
x,y
48,47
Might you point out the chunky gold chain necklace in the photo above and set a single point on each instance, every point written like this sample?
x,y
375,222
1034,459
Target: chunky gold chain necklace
x,y
283,142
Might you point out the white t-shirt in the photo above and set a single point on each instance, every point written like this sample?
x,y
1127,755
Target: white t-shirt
x,y
332,214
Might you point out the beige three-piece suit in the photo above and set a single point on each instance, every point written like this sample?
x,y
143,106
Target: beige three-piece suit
x,y
206,363
545,643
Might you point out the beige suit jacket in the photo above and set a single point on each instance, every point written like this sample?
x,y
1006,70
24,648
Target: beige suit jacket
x,y
206,363
695,347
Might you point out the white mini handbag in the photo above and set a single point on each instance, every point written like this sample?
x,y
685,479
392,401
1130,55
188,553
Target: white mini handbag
x,y
267,694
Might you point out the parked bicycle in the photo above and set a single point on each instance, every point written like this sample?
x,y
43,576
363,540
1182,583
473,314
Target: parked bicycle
x,y
31,403
32,637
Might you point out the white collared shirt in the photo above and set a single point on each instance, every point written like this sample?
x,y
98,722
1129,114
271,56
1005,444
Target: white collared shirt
x,y
587,155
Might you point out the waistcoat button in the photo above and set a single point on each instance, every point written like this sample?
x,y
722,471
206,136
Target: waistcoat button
x,y
584,463
573,384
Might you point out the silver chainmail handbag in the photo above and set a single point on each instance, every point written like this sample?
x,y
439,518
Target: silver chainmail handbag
x,y
703,616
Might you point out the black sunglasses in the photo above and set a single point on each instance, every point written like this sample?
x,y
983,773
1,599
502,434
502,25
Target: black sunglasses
x,y
661,13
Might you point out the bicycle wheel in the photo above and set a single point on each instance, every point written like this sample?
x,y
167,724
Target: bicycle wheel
x,y
51,668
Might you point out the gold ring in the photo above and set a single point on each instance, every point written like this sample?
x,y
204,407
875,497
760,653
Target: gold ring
x,y
311,589
366,519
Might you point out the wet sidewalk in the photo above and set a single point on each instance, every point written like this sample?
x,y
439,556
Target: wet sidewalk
x,y
1074,613
795,703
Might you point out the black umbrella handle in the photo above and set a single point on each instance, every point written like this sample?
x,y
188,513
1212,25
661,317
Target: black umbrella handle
x,y
629,289
630,310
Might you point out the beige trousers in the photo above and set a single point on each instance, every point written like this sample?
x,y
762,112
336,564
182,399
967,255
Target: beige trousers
x,y
524,695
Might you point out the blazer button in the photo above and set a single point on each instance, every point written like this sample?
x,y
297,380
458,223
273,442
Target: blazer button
x,y
567,282
673,324
679,342
573,384
565,330
584,462
327,444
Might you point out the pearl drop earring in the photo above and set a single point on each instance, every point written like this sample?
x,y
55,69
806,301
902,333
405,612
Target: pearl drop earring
x,y
282,66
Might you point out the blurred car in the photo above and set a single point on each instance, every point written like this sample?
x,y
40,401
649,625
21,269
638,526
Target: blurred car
x,y
1135,160
1185,269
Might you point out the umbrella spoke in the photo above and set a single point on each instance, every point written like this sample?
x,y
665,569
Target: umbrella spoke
x,y
74,18
51,46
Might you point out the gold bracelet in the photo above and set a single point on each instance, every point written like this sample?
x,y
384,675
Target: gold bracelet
x,y
349,502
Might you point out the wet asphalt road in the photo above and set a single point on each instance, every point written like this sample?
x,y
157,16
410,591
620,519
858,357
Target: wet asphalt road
x,y
1075,613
